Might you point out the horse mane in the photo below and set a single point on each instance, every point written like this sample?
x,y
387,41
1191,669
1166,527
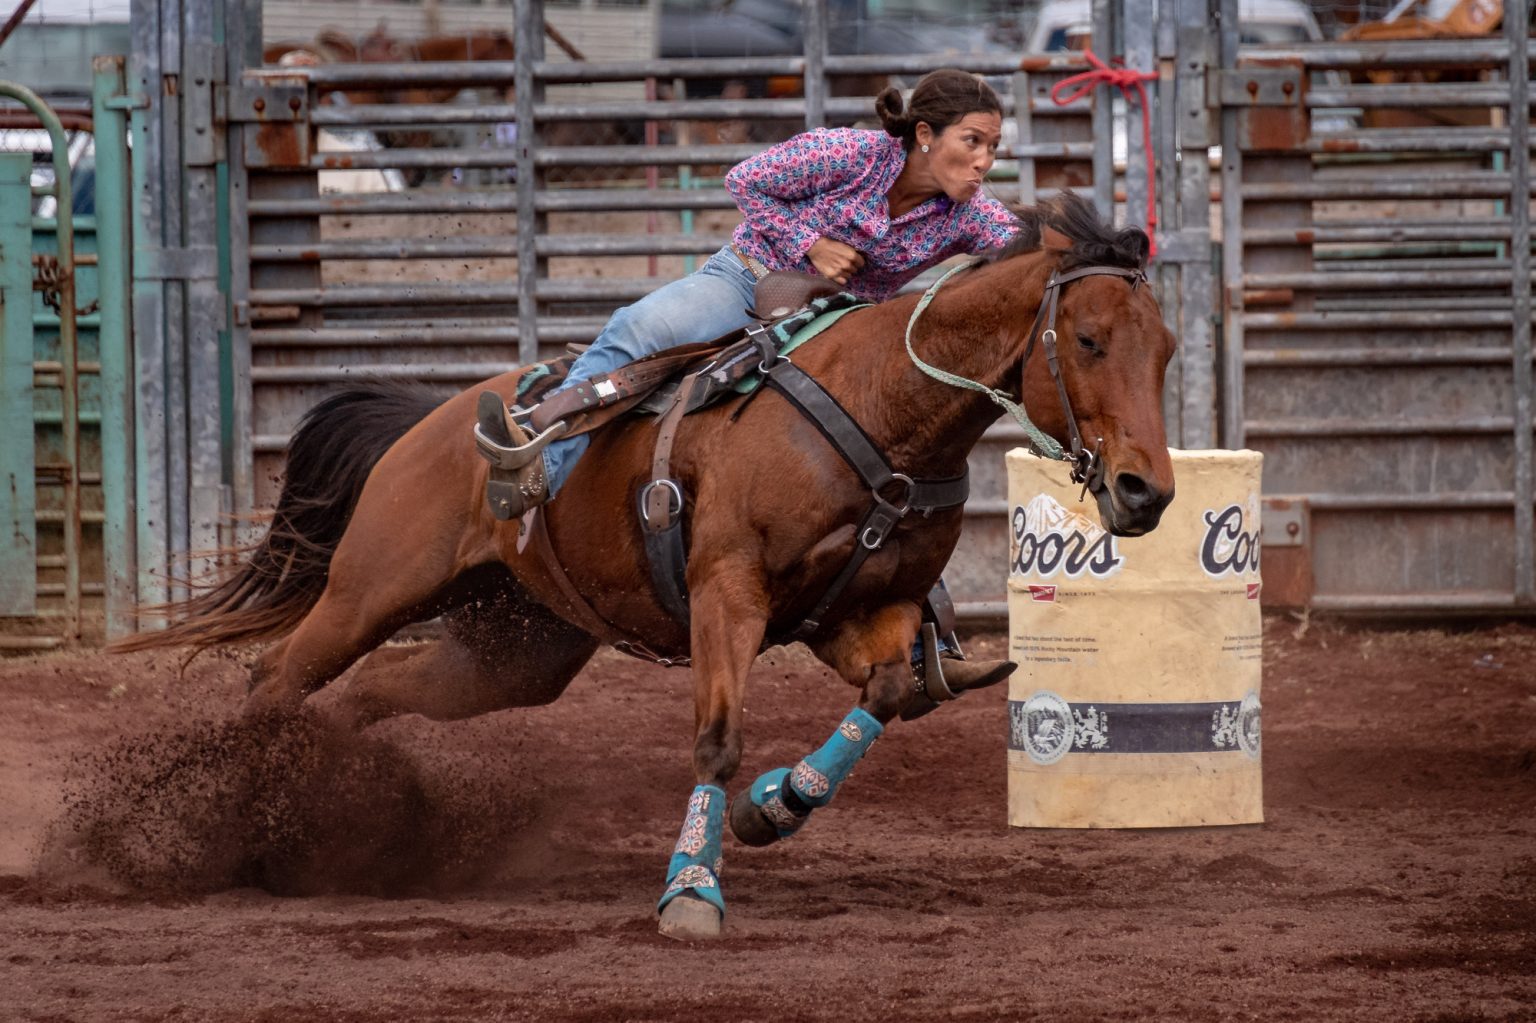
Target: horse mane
x,y
1095,242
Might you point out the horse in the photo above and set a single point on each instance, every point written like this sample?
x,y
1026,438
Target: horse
x,y
382,521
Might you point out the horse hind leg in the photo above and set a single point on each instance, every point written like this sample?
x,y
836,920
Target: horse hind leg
x,y
501,649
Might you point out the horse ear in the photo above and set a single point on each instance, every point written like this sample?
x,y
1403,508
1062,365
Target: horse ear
x,y
1053,240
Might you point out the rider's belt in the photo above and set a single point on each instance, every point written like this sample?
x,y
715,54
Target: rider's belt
x,y
758,269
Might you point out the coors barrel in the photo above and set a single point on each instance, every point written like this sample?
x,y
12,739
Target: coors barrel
x,y
1136,702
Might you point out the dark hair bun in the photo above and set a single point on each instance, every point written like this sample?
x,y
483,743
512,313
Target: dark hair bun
x,y
892,112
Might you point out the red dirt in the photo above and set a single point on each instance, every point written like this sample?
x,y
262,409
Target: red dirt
x,y
505,868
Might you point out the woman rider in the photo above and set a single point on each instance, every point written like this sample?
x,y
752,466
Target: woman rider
x,y
869,209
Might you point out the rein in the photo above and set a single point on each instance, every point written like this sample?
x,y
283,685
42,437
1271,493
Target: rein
x,y
1084,463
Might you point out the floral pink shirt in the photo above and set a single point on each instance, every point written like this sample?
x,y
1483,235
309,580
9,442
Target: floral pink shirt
x,y
831,183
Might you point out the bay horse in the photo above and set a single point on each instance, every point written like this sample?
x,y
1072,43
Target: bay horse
x,y
382,521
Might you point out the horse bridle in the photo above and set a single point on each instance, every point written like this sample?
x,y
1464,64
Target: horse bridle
x,y
1087,469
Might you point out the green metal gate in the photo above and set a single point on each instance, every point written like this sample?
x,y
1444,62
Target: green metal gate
x,y
66,509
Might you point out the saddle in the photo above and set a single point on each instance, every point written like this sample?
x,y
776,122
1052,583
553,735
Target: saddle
x,y
784,304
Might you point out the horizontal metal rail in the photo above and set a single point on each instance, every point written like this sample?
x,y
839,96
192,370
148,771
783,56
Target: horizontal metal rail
x,y
469,74
1410,94
490,247
1405,321
460,371
1462,500
1379,232
551,330
1448,140
575,289
1346,427
1400,54
629,245
1402,303
1336,358
1462,186
642,156
1434,604
1344,280
578,200
384,248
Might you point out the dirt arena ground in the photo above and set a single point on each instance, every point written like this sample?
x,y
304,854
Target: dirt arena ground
x,y
158,865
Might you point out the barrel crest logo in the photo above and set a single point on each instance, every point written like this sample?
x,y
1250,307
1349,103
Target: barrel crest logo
x,y
1043,727
1048,540
1231,542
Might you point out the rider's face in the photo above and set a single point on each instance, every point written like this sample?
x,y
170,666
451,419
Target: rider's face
x,y
960,156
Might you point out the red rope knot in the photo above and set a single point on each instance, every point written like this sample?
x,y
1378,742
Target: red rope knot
x,y
1130,82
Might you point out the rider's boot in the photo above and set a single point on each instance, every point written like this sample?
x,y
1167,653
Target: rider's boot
x,y
942,676
517,480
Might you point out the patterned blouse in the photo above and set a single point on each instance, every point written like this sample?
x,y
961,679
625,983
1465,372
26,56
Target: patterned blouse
x,y
832,182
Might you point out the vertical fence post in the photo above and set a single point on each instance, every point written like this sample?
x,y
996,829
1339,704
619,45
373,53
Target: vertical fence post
x,y
1139,28
1196,295
152,454
119,552
204,312
529,45
1516,28
1023,119
242,49
18,466
1232,434
815,64
1104,113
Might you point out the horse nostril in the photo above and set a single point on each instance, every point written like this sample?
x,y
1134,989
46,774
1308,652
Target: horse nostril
x,y
1135,494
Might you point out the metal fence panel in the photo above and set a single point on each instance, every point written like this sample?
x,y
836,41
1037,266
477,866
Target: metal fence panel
x,y
1378,312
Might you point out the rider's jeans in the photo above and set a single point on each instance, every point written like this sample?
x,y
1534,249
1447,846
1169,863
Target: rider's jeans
x,y
700,307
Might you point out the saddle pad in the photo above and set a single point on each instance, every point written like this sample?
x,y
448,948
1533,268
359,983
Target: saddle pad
x,y
750,382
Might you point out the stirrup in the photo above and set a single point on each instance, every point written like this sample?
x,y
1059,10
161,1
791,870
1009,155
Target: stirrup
x,y
934,688
516,481
501,440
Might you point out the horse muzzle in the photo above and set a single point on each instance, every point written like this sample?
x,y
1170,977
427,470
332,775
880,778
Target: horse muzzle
x,y
1129,504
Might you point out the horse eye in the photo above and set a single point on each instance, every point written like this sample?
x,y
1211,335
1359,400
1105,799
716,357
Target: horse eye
x,y
1087,343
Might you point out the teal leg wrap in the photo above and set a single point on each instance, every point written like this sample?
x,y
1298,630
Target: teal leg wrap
x,y
695,863
816,778
767,794
786,796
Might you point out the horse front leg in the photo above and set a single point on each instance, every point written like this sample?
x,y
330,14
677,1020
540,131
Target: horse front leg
x,y
729,618
872,652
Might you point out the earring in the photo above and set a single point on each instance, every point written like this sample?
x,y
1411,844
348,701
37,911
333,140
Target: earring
x,y
925,149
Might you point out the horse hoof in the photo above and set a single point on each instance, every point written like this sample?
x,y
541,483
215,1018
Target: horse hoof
x,y
686,918
748,823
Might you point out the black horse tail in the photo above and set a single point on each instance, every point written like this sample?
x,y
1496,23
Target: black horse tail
x,y
336,446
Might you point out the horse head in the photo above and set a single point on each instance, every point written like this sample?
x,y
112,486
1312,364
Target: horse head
x,y
1111,352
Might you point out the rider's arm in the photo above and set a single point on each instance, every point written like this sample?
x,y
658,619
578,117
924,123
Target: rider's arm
x,y
986,224
772,188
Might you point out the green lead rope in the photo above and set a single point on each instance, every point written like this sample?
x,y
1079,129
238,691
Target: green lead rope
x,y
1044,444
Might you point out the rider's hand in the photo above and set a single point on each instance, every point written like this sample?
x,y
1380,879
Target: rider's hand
x,y
834,260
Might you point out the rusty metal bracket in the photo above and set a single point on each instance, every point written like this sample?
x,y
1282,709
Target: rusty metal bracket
x,y
274,113
1260,86
1270,98
1284,522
